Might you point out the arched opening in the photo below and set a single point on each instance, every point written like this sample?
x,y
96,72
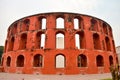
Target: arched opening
x,y
77,40
76,23
80,40
15,28
96,41
43,23
60,41
117,61
100,61
20,61
23,41
105,28
8,61
108,46
60,22
38,40
42,41
60,61
110,31
111,60
11,44
6,43
37,60
25,26
82,61
94,25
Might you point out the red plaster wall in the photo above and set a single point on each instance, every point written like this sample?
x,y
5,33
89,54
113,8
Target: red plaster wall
x,y
49,51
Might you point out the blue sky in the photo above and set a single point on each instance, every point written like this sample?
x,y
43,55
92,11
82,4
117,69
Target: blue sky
x,y
107,10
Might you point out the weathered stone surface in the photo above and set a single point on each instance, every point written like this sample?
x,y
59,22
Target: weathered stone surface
x,y
25,53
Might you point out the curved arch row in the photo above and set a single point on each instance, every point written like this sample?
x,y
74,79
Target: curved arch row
x,y
60,61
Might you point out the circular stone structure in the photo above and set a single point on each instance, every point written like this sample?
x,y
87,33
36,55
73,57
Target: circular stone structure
x,y
59,43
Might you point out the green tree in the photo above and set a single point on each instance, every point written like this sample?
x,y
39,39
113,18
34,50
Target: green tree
x,y
1,52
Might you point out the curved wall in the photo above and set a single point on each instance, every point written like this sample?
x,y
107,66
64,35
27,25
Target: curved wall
x,y
59,43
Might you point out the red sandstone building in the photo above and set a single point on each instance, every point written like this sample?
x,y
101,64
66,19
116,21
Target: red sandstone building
x,y
59,43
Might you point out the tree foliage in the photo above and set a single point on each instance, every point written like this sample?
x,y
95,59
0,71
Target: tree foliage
x,y
1,51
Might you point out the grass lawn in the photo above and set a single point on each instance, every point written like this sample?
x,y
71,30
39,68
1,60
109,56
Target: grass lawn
x,y
107,79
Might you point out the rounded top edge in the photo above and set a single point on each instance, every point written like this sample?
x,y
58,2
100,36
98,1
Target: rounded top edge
x,y
45,13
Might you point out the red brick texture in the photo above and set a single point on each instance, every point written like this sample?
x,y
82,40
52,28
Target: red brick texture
x,y
24,54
